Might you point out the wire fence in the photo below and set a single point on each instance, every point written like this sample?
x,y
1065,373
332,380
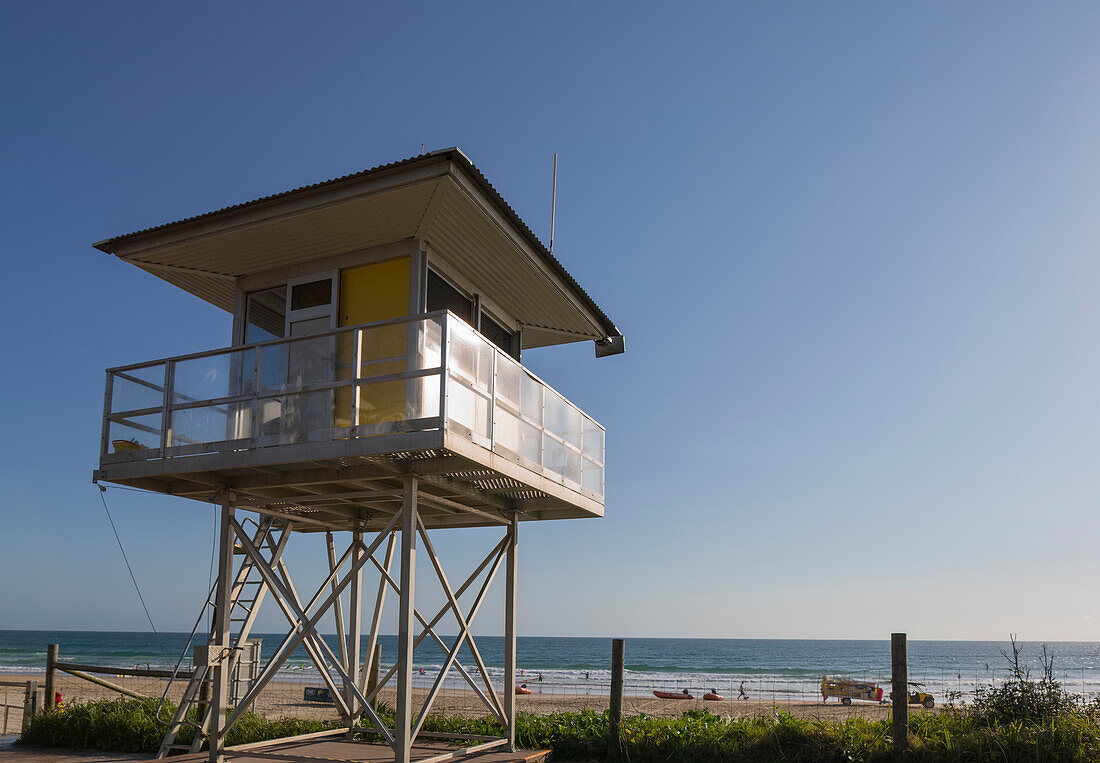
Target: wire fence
x,y
304,694
12,700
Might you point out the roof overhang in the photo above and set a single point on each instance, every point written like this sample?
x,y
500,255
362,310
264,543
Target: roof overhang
x,y
440,198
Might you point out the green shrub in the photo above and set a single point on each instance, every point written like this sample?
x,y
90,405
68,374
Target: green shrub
x,y
984,734
1024,700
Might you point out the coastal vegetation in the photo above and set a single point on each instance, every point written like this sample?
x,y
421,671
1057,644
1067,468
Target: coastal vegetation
x,y
1023,720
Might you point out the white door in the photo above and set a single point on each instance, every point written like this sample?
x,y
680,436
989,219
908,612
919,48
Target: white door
x,y
310,309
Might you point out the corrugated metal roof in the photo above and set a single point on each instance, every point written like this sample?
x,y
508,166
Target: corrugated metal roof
x,y
452,154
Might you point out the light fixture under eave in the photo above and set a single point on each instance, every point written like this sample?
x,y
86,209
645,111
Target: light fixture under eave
x,y
610,345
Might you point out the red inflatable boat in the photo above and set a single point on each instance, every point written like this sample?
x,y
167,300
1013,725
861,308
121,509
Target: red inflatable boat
x,y
672,695
523,690
713,697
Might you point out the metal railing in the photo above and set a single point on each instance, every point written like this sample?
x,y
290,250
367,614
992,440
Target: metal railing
x,y
432,372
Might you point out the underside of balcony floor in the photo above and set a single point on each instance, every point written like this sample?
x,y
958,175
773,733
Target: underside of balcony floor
x,y
362,492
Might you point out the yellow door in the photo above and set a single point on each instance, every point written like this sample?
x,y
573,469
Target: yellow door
x,y
371,293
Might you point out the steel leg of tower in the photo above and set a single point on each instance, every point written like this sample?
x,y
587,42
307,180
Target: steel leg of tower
x,y
342,673
220,652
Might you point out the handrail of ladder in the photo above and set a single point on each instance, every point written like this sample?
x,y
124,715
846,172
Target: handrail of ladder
x,y
187,647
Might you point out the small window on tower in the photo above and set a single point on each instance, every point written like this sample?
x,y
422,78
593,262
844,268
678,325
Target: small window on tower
x,y
443,296
265,315
312,294
498,335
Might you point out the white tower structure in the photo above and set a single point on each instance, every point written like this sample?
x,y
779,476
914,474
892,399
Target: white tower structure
x,y
372,386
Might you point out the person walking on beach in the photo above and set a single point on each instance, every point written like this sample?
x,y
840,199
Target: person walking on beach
x,y
539,678
742,694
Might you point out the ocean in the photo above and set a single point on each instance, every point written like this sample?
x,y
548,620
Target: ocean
x,y
769,668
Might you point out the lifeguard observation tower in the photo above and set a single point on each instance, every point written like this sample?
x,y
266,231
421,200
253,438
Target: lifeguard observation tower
x,y
373,386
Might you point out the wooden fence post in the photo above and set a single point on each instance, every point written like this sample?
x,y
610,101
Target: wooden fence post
x,y
51,675
900,680
30,704
618,657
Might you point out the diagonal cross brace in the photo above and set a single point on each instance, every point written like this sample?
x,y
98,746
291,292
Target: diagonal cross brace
x,y
293,639
463,636
430,625
428,630
292,609
293,614
380,601
458,613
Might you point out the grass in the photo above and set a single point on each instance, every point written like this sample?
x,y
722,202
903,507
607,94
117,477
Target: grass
x,y
979,734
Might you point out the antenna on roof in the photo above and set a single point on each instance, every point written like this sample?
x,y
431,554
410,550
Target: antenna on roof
x,y
553,202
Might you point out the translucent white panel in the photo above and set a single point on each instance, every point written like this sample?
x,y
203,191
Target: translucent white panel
x,y
273,369
531,399
305,417
385,349
561,459
466,407
505,431
509,382
310,361
561,418
425,400
515,436
211,424
430,343
382,402
530,442
213,377
134,433
144,389
592,440
298,364
469,357
270,417
593,477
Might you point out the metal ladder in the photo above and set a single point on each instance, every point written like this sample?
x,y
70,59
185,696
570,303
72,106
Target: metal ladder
x,y
245,598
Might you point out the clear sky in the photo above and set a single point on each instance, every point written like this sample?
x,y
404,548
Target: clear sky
x,y
853,247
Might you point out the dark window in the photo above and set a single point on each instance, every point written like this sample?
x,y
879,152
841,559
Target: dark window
x,y
498,335
443,296
312,294
265,315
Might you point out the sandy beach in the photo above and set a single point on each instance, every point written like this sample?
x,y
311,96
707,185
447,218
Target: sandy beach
x,y
285,698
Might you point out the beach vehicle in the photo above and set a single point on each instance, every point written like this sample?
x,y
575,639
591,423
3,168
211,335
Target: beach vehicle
x,y
919,697
673,695
371,391
713,696
847,689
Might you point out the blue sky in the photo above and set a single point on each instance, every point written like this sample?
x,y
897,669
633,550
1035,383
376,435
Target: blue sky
x,y
852,246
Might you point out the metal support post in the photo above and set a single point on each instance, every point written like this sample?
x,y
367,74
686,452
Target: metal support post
x,y
355,614
219,653
403,737
510,633
900,676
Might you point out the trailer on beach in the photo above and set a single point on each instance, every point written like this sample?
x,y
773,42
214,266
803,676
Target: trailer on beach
x,y
846,689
